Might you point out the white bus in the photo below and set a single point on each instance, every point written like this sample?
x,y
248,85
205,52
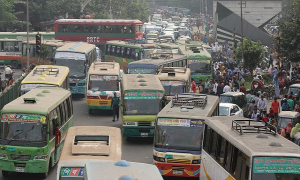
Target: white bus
x,y
243,149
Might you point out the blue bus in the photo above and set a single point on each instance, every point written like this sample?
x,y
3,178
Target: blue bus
x,y
78,56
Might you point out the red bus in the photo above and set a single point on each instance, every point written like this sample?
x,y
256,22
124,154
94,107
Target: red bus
x,y
97,31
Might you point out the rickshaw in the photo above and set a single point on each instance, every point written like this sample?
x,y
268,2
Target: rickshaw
x,y
238,98
295,89
285,117
257,85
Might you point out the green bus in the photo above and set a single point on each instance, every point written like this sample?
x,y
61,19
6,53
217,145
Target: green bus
x,y
125,52
199,61
142,98
28,128
23,35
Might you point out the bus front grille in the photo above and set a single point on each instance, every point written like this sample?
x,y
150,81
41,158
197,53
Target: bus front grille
x,y
20,157
72,84
144,123
179,161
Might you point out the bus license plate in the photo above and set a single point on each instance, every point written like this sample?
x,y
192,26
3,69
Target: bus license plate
x,y
176,172
19,169
144,134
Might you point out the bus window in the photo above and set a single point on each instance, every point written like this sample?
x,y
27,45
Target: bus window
x,y
118,51
108,49
70,104
122,52
184,63
63,114
67,109
59,115
128,53
112,52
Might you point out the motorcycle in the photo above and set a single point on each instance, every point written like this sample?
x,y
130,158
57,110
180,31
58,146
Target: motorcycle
x,y
2,83
9,79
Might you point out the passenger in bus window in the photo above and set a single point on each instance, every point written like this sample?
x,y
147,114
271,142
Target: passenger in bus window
x,y
57,141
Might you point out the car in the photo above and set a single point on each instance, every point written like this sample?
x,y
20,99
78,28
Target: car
x,y
238,98
184,38
230,109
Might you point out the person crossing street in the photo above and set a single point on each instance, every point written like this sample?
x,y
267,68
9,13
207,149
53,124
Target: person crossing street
x,y
115,104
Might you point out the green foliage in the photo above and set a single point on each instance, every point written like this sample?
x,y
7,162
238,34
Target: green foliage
x,y
253,54
289,27
138,10
6,11
45,52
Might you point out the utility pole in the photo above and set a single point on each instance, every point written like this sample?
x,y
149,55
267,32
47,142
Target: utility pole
x,y
242,31
27,49
110,11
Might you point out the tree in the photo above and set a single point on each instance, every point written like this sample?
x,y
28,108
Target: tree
x,y
289,27
6,11
253,54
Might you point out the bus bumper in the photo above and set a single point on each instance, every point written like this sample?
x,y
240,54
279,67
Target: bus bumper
x,y
99,107
99,103
78,89
179,170
138,131
38,166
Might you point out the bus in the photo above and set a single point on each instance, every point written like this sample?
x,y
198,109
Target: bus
x,y
199,61
97,31
28,127
23,35
142,98
175,80
158,59
178,134
51,45
240,148
78,56
121,170
125,52
106,142
103,80
10,52
46,75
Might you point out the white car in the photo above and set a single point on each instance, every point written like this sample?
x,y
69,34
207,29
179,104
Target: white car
x,y
229,109
184,38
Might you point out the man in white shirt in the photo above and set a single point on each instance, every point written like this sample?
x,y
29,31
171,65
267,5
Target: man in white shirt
x,y
8,72
215,87
226,89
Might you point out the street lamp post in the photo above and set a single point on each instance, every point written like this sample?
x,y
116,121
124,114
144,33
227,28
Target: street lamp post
x,y
27,49
242,33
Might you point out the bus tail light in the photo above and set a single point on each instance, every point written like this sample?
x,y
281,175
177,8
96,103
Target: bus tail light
x,y
196,161
43,157
92,97
159,159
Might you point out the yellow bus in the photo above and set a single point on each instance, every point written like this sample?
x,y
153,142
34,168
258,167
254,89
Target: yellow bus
x,y
103,81
46,75
88,144
175,80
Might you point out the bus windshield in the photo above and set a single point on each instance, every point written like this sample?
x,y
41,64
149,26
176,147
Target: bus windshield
x,y
141,106
275,168
23,131
179,135
77,67
141,71
173,87
295,90
226,99
198,67
283,122
103,83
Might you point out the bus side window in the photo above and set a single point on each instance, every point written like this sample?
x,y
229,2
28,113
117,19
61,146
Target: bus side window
x,y
63,114
65,105
206,138
70,104
184,63
59,116
52,129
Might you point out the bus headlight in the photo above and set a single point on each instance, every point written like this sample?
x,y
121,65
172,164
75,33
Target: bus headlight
x,y
43,157
159,159
81,84
153,123
3,156
197,161
129,123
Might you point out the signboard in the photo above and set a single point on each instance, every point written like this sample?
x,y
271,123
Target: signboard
x,y
143,95
141,71
28,87
23,118
11,54
180,122
172,83
71,172
276,165
69,55
103,78
93,39
198,61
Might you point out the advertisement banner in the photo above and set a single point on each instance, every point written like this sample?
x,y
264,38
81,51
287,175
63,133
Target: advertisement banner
x,y
143,95
172,83
103,78
23,118
276,165
180,122
141,71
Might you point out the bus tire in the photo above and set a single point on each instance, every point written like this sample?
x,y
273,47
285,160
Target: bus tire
x,y
90,111
14,64
5,173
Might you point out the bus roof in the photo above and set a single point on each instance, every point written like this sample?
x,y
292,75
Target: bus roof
x,y
174,74
80,47
187,49
111,170
47,74
130,45
252,143
105,68
174,109
141,82
98,21
79,140
46,99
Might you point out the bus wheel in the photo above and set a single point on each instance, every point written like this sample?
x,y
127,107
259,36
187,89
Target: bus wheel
x,y
14,64
90,111
5,173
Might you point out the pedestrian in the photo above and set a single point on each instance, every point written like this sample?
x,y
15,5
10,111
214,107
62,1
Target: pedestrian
x,y
115,104
243,88
226,88
205,39
271,60
57,141
256,99
201,86
251,108
211,88
291,103
262,105
274,72
193,86
236,84
215,87
219,89
285,106
206,86
276,108
276,86
291,96
254,115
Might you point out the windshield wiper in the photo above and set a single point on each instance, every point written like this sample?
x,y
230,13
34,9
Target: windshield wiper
x,y
28,131
12,138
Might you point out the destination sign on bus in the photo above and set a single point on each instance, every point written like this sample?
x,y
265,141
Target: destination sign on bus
x,y
102,78
68,55
143,95
28,87
276,165
23,118
180,122
71,172
141,71
172,83
198,61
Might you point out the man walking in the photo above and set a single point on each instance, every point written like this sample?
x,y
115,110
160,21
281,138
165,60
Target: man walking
x,y
276,108
115,104
276,86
